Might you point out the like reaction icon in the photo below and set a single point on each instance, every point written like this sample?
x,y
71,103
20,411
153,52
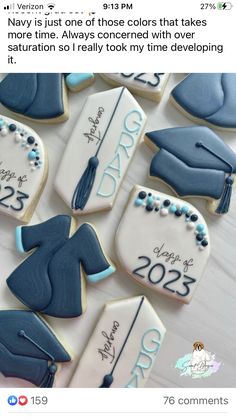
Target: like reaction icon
x,y
12,400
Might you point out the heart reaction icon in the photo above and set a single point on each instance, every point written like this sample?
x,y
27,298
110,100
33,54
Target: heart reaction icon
x,y
22,400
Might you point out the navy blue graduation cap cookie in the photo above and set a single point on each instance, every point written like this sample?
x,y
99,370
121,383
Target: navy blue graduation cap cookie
x,y
41,96
194,161
208,98
28,348
51,280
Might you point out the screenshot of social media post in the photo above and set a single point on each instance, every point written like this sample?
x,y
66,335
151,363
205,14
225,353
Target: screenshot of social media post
x,y
117,209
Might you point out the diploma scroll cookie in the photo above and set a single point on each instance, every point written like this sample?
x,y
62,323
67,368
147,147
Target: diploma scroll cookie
x,y
194,161
148,85
100,150
23,169
163,243
123,347
51,280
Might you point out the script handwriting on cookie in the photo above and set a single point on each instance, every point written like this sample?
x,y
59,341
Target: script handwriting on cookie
x,y
108,350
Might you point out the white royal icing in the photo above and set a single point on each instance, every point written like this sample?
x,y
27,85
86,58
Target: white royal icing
x,y
159,249
149,85
22,167
124,345
110,124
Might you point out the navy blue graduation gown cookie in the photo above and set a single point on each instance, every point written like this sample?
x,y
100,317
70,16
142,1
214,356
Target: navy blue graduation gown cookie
x,y
194,161
51,280
208,98
28,348
41,96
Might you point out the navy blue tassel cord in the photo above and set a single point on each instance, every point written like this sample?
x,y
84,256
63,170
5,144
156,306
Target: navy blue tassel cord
x,y
108,379
85,184
48,379
224,203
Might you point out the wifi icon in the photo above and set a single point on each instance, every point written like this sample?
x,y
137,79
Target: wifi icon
x,y
51,6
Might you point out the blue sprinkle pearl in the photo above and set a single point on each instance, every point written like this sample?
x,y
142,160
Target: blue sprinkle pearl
x,y
30,140
138,202
172,209
166,203
185,209
200,228
1,123
149,208
199,237
204,243
31,155
12,127
178,213
194,217
142,195
150,200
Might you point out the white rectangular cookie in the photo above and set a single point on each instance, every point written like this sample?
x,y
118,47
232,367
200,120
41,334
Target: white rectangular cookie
x,y
100,150
123,347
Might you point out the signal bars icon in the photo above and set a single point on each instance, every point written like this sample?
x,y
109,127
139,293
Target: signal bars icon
x,y
9,7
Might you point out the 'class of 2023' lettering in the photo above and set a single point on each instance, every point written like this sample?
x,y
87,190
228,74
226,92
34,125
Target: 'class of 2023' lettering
x,y
157,274
140,77
8,192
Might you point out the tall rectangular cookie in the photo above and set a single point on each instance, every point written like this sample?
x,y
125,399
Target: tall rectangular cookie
x,y
100,150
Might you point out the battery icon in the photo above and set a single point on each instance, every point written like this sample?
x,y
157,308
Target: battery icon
x,y
224,5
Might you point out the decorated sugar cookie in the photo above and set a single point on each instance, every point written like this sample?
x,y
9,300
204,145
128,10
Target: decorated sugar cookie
x,y
41,96
208,98
148,85
100,150
163,243
123,347
28,348
51,280
23,169
194,161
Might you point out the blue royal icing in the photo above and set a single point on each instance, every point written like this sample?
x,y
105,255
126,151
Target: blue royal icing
x,y
191,170
35,95
49,280
209,96
28,348
74,80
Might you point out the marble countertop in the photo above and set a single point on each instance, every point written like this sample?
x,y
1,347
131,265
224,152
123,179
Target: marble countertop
x,y
212,313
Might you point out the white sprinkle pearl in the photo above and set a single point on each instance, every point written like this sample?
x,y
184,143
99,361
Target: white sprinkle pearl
x,y
190,226
4,132
18,137
164,211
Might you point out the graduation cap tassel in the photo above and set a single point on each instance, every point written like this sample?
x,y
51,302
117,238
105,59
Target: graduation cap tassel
x,y
48,380
224,204
85,185
108,378
49,377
